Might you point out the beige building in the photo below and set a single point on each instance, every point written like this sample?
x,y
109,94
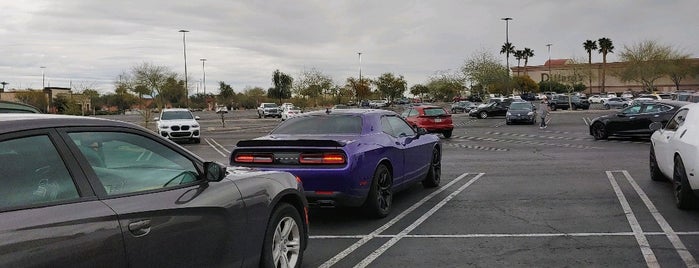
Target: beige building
x,y
567,72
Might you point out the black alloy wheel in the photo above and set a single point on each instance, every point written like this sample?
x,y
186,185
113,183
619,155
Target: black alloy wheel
x,y
434,175
599,131
655,173
684,197
380,200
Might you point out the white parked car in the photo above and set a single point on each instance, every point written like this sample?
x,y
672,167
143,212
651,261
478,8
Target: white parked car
x,y
289,111
674,154
178,124
378,103
595,99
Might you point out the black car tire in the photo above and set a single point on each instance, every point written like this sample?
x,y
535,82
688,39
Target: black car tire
x,y
533,121
599,131
606,106
434,175
380,199
286,236
483,115
655,173
447,134
259,115
508,122
684,197
553,107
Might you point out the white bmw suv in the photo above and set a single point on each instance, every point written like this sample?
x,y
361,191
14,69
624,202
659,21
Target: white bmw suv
x,y
178,124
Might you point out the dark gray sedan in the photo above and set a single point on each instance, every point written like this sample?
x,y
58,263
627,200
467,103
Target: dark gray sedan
x,y
86,192
521,112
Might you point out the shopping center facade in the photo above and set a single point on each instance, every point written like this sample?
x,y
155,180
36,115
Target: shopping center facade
x,y
568,72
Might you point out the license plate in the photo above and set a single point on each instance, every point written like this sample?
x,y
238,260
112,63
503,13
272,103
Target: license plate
x,y
437,120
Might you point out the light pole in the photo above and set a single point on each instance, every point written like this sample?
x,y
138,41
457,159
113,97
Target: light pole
x,y
184,46
507,42
360,75
3,85
203,60
550,80
43,77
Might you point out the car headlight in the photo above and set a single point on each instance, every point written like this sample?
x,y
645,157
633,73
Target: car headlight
x,y
530,113
164,127
195,125
508,113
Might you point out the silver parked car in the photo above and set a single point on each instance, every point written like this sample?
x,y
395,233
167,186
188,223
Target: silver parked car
x,y
617,102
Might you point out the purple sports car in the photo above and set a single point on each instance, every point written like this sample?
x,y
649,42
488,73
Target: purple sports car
x,y
352,157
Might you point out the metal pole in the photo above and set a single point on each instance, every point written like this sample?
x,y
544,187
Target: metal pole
x,y
43,77
184,46
550,80
203,71
360,75
507,52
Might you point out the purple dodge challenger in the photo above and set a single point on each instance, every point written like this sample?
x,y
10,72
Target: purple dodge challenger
x,y
352,157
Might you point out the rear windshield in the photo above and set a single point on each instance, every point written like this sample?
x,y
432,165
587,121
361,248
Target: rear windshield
x,y
435,111
321,124
173,115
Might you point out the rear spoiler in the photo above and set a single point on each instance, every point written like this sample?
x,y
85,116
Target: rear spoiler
x,y
290,143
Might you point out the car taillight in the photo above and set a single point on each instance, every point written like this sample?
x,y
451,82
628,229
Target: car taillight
x,y
254,158
322,158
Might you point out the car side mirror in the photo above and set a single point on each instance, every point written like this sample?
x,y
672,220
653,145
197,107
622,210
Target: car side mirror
x,y
196,117
421,131
214,171
655,126
155,119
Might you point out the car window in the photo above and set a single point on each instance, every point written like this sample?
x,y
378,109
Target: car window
x,y
33,173
397,127
413,112
636,109
434,111
127,163
321,124
520,106
655,108
677,120
174,115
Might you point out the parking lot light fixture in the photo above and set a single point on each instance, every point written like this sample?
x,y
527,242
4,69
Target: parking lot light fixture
x,y
184,49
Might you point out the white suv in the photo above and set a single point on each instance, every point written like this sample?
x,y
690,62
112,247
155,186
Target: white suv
x,y
178,124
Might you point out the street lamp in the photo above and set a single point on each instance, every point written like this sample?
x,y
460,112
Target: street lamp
x,y
203,60
184,46
550,80
43,77
360,75
3,85
507,41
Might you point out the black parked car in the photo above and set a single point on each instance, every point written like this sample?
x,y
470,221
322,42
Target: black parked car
x,y
564,102
462,107
495,107
87,192
634,120
521,111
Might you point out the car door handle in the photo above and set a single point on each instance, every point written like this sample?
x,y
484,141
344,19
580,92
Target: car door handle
x,y
140,228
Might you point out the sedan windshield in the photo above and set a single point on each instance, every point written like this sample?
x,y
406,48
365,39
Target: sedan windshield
x,y
520,106
174,115
435,112
321,124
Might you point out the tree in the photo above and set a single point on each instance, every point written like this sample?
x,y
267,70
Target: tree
x,y
362,89
444,85
282,86
507,48
519,55
528,53
679,67
590,46
391,86
419,90
485,70
313,83
525,84
34,98
225,94
605,47
148,79
646,62
173,92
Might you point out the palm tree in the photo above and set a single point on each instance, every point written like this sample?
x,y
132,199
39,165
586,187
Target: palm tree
x,y
589,46
519,55
508,49
528,53
605,46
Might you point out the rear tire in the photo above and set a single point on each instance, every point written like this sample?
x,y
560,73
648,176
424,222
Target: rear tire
x,y
684,197
655,173
447,134
285,238
434,175
380,198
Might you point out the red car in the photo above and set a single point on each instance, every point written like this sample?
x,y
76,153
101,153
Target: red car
x,y
434,119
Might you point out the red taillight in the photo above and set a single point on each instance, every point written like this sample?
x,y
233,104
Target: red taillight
x,y
254,158
322,158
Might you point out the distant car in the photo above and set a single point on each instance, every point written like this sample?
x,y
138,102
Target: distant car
x,y
347,158
88,192
462,107
521,111
290,111
595,99
634,120
340,106
221,109
674,154
430,117
268,109
495,107
17,107
378,104
178,124
528,96
617,102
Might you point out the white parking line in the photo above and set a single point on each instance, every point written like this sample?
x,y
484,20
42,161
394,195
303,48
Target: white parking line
x,y
585,120
648,254
369,259
502,235
220,146
209,141
383,228
667,229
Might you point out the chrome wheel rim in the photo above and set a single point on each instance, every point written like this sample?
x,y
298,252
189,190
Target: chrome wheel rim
x,y
287,243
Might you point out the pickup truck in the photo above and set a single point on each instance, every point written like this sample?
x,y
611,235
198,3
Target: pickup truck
x,y
562,102
267,109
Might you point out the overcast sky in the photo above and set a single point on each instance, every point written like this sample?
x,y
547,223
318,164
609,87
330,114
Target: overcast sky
x,y
90,42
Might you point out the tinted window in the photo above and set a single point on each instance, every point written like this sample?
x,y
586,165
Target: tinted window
x,y
33,173
636,109
270,105
396,127
520,106
413,112
174,115
127,163
434,111
321,124
677,120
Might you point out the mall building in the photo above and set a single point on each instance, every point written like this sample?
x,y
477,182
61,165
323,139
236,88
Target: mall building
x,y
568,72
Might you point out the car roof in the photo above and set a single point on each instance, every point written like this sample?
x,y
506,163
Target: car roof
x,y
674,102
17,107
19,122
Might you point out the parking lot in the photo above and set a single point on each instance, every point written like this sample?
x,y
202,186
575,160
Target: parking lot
x,y
511,195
